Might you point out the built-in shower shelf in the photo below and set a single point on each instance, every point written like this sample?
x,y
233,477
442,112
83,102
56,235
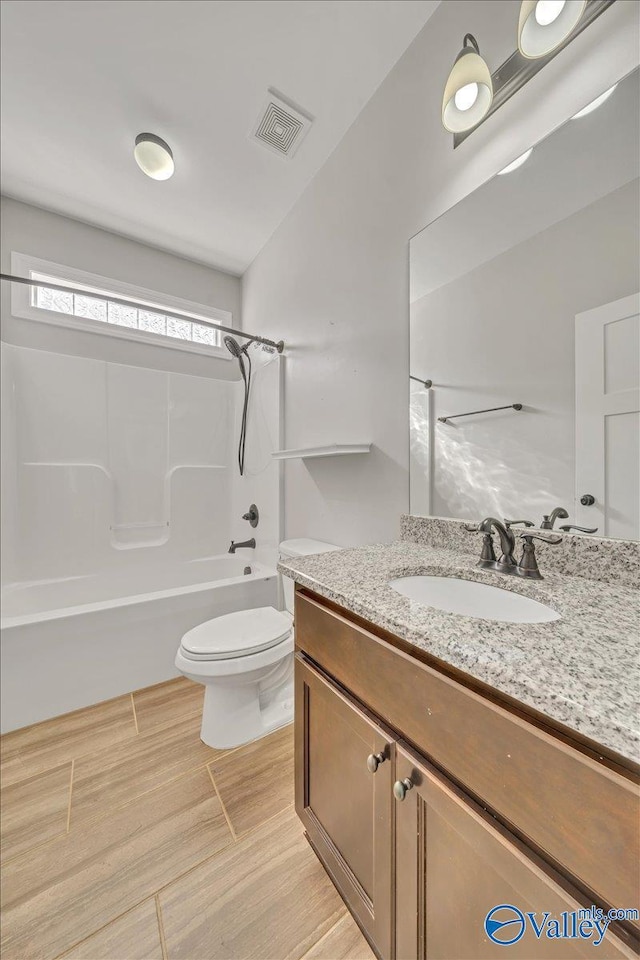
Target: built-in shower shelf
x,y
331,450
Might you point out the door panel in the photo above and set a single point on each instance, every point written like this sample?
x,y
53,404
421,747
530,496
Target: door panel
x,y
454,864
345,808
607,417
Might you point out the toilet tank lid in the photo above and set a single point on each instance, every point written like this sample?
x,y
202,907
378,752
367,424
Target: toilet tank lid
x,y
305,546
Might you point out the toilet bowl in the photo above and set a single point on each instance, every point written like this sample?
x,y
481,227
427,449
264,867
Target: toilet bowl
x,y
245,661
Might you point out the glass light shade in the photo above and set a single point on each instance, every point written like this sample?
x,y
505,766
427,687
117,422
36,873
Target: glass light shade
x,y
590,107
542,30
154,156
510,167
468,93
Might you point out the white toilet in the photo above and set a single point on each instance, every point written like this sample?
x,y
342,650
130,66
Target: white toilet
x,y
245,661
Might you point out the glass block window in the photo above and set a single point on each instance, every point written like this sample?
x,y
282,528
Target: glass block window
x,y
97,305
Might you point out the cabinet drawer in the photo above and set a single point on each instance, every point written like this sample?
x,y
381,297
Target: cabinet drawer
x,y
582,815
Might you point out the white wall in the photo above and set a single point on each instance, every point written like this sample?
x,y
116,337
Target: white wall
x,y
36,232
505,333
333,281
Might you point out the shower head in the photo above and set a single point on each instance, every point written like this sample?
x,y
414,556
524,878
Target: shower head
x,y
234,347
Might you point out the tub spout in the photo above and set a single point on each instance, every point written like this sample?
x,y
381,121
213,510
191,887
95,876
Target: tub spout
x,y
245,543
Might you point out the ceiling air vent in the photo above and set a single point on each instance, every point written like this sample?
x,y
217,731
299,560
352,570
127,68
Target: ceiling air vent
x,y
281,127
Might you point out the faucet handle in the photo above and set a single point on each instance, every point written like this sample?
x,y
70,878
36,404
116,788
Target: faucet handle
x,y
568,527
528,537
528,566
252,515
487,554
515,523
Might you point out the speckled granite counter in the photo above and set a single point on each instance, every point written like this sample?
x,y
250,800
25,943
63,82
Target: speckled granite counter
x,y
581,670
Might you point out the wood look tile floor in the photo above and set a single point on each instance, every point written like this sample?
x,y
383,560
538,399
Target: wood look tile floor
x,y
125,838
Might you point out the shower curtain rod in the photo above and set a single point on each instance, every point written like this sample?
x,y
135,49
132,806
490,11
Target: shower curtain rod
x,y
279,345
425,383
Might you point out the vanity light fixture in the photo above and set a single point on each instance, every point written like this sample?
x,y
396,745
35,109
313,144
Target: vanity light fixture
x,y
469,91
545,27
510,167
590,107
545,24
154,156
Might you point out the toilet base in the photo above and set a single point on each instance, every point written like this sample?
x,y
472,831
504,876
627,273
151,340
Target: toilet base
x,y
239,713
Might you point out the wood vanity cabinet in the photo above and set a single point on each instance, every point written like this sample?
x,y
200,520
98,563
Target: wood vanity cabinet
x,y
429,804
345,807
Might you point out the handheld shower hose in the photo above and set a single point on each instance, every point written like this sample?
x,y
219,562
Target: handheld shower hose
x,y
241,354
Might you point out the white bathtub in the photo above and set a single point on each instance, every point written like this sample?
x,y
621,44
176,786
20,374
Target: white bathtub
x,y
72,642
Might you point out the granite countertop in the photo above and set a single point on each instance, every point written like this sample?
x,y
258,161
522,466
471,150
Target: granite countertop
x,y
581,670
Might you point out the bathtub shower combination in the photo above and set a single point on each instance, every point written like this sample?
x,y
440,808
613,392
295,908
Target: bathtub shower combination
x,y
121,495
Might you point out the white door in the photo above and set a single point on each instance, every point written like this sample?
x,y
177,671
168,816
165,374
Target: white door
x,y
608,418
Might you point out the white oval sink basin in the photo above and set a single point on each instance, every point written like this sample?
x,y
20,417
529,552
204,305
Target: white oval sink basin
x,y
472,599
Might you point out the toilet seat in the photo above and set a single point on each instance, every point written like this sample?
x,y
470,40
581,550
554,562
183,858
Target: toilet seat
x,y
240,634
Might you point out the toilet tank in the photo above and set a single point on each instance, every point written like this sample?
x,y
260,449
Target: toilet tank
x,y
302,547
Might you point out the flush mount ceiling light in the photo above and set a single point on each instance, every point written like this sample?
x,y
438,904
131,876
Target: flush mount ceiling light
x,y
590,107
545,24
154,156
469,91
545,28
510,167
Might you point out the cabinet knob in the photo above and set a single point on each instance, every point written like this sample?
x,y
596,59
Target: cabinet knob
x,y
401,787
374,760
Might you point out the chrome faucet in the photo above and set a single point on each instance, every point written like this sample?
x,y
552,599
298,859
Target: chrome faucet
x,y
528,565
245,543
561,514
550,518
507,560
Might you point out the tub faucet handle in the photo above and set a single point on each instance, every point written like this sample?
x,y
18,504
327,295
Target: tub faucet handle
x,y
252,515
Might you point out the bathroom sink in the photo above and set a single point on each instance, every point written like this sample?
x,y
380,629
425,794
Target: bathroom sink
x,y
472,599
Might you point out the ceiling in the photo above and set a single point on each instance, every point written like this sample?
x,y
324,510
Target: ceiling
x,y
80,78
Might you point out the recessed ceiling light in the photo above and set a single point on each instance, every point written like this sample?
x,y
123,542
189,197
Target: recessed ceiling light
x,y
594,103
517,162
154,156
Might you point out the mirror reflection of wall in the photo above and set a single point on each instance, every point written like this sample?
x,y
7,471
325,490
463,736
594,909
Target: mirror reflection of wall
x,y
527,292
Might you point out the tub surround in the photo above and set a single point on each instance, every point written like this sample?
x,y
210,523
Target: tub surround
x,y
580,671
120,508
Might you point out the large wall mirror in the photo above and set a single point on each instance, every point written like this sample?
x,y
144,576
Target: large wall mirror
x,y
525,296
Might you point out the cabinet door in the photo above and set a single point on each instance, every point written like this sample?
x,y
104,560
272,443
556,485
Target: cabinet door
x,y
454,863
344,798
